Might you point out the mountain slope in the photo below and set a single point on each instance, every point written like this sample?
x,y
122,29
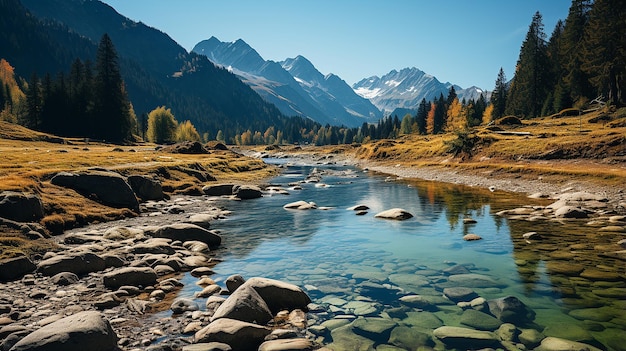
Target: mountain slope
x,y
405,89
295,86
158,71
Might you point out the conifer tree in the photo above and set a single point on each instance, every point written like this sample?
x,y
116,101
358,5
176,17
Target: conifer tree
x,y
573,79
498,96
112,107
529,87
440,115
421,116
34,103
604,49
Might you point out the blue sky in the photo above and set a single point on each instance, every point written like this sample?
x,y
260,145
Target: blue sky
x,y
460,41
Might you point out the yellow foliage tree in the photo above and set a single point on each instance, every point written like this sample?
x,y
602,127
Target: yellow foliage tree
x,y
187,132
430,119
488,114
161,125
456,116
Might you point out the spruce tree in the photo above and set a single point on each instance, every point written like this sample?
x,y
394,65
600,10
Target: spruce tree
x,y
34,103
574,79
422,114
604,49
440,115
112,107
498,96
529,87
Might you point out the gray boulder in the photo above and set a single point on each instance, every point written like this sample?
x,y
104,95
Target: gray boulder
x,y
14,268
233,282
247,192
218,189
557,344
570,212
465,338
239,335
188,232
20,207
133,276
246,305
279,295
395,214
181,305
147,188
510,309
83,330
110,188
78,263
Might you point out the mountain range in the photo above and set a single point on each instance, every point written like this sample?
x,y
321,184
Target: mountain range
x,y
295,86
403,90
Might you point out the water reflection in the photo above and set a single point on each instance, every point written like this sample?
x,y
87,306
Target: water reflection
x,y
577,293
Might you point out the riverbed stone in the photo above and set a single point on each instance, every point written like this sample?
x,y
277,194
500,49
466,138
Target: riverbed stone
x,y
407,338
64,278
295,344
394,214
344,338
373,327
78,263
146,187
208,346
465,338
474,280
218,189
418,301
480,320
510,309
188,232
233,282
245,304
279,295
182,304
422,319
14,268
558,344
564,267
472,237
458,294
530,337
247,192
570,212
72,333
134,276
20,207
237,334
300,205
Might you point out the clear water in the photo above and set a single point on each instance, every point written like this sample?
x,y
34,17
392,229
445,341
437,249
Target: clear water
x,y
329,252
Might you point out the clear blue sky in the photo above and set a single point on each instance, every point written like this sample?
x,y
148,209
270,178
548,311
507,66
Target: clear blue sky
x,y
459,41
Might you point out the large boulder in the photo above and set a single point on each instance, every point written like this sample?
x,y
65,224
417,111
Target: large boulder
x,y
77,263
20,207
218,189
279,295
14,268
394,213
188,232
247,192
510,309
557,344
84,330
133,276
147,188
246,305
239,335
110,188
288,345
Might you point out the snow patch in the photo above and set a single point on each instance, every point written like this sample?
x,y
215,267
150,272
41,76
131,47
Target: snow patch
x,y
368,93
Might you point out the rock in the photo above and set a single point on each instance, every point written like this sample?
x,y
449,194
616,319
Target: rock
x,y
122,233
209,346
394,213
218,189
247,192
530,337
457,294
479,320
78,263
233,282
20,207
532,236
186,147
570,212
582,196
373,328
196,246
14,268
510,309
410,338
213,303
188,232
557,344
110,188
181,305
279,295
358,208
473,280
239,335
344,338
64,278
469,221
134,276
472,237
147,188
465,338
300,205
202,219
288,345
72,333
418,301
246,305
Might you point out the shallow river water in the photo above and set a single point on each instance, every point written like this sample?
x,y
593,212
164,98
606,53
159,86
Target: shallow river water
x,y
357,265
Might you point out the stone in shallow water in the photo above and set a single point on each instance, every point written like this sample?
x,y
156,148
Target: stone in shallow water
x,y
465,338
409,338
457,294
344,338
361,308
480,320
598,274
474,280
377,329
564,267
602,314
394,213
557,344
423,319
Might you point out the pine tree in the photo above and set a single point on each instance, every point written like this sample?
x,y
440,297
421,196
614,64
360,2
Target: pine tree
x,y
34,103
421,116
439,120
529,87
574,79
604,49
112,107
498,96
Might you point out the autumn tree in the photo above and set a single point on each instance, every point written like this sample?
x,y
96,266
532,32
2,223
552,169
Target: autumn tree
x,y
456,116
161,125
186,132
430,119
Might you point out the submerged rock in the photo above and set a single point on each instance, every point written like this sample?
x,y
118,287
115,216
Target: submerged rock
x,y
395,214
237,334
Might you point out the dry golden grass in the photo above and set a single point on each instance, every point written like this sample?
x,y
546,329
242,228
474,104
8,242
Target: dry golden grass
x,y
28,160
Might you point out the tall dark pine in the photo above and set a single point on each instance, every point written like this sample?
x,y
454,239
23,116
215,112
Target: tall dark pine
x,y
451,96
604,49
498,96
574,79
112,107
440,115
422,114
34,102
530,85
